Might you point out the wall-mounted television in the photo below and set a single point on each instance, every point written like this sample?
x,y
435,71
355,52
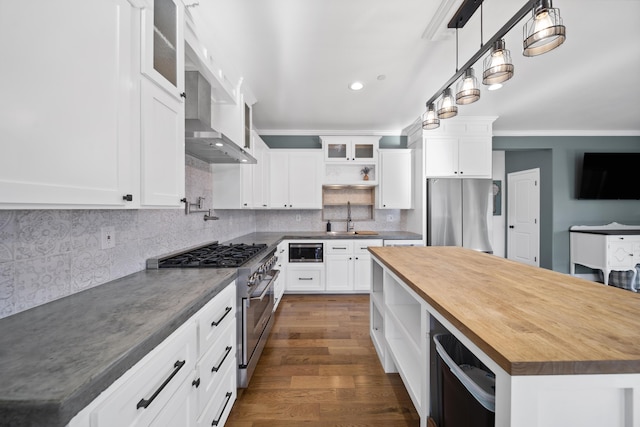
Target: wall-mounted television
x,y
610,176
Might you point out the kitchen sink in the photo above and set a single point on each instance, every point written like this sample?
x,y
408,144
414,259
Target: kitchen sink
x,y
340,233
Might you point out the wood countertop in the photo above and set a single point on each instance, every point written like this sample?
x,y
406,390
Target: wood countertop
x,y
529,320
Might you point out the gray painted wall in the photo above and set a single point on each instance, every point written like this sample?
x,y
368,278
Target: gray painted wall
x,y
566,209
310,141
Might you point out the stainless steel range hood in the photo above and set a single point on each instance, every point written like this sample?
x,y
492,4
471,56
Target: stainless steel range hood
x,y
201,141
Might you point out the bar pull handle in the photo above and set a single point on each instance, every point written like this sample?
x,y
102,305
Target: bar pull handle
x,y
144,403
305,278
217,368
217,421
226,311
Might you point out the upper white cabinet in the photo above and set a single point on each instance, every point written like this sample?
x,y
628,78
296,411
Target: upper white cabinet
x,y
81,126
350,148
295,179
162,170
65,110
162,43
396,179
460,148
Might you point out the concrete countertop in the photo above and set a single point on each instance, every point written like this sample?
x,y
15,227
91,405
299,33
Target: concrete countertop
x,y
56,358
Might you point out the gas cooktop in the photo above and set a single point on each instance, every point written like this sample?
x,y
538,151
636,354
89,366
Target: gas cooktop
x,y
212,256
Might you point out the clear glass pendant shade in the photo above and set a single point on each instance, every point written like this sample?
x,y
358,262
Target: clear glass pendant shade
x,y
498,67
467,89
544,31
431,120
447,107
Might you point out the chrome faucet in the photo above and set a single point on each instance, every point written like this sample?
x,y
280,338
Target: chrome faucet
x,y
349,221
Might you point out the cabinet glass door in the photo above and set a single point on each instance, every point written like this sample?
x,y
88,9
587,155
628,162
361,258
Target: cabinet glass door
x,y
337,151
363,151
165,40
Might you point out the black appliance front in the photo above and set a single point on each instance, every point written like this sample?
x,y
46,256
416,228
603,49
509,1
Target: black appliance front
x,y
306,252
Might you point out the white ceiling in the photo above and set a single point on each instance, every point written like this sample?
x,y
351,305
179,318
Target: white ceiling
x,y
298,57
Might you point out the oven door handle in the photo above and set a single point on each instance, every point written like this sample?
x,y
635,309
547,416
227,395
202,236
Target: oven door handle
x,y
266,288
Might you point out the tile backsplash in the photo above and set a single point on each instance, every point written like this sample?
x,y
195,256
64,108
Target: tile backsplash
x,y
49,254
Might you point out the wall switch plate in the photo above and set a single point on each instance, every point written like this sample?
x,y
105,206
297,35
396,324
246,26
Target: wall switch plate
x,y
389,218
298,217
107,237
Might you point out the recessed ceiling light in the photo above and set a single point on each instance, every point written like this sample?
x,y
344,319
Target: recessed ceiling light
x,y
356,86
495,86
381,77
219,144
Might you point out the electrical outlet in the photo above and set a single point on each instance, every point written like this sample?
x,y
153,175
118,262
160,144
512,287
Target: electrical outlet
x,y
298,218
107,237
389,218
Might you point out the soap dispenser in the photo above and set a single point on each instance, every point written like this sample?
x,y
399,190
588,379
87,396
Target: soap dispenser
x,y
329,225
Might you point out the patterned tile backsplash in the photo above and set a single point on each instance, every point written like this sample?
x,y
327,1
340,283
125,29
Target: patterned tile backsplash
x,y
49,254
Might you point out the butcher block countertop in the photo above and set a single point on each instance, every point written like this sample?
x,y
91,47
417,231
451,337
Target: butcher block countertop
x,y
529,320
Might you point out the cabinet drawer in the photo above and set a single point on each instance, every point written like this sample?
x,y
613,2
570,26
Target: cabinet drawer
x,y
304,280
214,364
217,412
334,247
215,317
362,247
147,387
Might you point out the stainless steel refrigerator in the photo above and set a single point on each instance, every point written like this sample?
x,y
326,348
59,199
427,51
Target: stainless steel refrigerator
x,y
458,213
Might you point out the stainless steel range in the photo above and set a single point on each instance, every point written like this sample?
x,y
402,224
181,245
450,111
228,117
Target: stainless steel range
x,y
255,296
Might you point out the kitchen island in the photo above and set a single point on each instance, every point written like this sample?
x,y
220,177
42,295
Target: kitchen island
x,y
565,351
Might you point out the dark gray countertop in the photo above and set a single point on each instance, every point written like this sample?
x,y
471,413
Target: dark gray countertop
x,y
56,358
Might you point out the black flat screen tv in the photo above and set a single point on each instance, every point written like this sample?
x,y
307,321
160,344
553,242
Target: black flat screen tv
x,y
610,176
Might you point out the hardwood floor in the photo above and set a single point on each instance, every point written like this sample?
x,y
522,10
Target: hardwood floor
x,y
319,369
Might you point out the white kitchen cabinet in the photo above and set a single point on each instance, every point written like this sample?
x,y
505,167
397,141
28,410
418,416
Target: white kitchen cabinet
x,y
350,148
149,386
339,265
162,44
305,278
348,265
464,157
295,181
281,265
189,379
66,110
396,179
162,168
460,148
242,186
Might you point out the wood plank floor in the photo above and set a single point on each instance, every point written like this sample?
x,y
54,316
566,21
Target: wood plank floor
x,y
319,369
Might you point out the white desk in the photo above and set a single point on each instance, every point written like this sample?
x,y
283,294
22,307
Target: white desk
x,y
606,247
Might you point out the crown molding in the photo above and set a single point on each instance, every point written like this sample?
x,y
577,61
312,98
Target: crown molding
x,y
566,133
325,132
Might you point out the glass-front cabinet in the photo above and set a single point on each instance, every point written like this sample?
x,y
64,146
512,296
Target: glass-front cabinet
x,y
350,148
163,44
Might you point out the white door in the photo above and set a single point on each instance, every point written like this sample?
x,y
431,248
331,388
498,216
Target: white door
x,y
523,216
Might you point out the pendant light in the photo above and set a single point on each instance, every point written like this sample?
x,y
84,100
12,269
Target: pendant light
x,y
544,31
447,107
431,121
498,67
467,90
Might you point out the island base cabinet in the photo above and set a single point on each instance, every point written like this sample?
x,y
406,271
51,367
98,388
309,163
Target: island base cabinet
x,y
578,400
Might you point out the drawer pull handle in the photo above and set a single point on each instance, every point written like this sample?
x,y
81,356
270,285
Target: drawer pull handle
x,y
216,368
340,247
146,402
226,311
305,278
217,421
